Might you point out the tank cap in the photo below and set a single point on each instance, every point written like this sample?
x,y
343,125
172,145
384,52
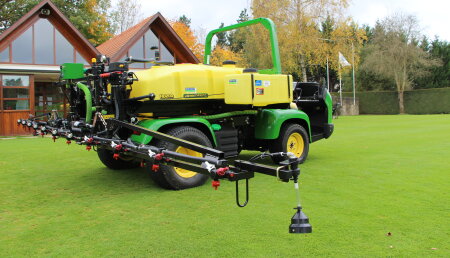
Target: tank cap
x,y
229,62
250,70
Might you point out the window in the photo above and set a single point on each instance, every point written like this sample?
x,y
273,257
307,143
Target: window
x,y
137,51
80,59
15,90
151,40
49,97
142,49
4,55
22,48
166,56
64,50
45,42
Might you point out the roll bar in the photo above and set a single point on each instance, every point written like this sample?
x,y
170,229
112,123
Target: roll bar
x,y
268,24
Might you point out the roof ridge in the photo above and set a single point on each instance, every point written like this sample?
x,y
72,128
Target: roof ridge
x,y
129,29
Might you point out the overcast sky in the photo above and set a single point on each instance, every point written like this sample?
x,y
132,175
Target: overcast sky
x,y
433,15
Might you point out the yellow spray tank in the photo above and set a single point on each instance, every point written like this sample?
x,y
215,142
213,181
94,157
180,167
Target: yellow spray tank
x,y
198,81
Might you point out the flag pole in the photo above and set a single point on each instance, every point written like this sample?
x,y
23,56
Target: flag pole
x,y
328,76
353,67
340,83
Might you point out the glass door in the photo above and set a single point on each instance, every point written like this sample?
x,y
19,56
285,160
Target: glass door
x,y
15,102
49,97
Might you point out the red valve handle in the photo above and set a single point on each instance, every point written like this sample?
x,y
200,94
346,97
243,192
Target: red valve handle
x,y
222,171
159,156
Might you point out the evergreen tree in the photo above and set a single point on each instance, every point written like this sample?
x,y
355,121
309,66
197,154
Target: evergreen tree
x,y
222,38
236,39
185,20
439,75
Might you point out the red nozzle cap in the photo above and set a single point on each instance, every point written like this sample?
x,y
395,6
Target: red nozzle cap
x,y
155,167
88,147
116,156
68,142
215,184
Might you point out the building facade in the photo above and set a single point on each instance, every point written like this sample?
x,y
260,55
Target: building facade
x,y
32,50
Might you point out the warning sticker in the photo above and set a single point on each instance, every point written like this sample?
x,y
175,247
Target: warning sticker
x,y
232,81
191,90
258,83
266,83
259,91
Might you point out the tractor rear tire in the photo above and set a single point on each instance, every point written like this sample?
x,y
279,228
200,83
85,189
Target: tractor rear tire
x,y
293,138
172,178
106,157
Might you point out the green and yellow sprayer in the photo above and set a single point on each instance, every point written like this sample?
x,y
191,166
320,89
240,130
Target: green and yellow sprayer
x,y
184,122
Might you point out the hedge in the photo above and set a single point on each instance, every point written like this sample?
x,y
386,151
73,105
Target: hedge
x,y
427,101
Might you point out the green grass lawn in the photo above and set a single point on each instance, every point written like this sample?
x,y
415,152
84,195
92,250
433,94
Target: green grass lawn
x,y
376,174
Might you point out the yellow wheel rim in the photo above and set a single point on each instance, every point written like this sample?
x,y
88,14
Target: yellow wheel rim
x,y
184,172
295,144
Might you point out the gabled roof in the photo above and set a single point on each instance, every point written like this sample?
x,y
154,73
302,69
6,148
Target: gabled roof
x,y
118,46
57,18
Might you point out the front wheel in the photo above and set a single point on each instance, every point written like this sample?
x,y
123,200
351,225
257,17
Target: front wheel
x,y
178,178
293,138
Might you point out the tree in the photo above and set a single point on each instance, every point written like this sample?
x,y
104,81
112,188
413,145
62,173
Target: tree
x,y
300,40
90,17
124,15
187,35
394,53
221,54
92,21
11,11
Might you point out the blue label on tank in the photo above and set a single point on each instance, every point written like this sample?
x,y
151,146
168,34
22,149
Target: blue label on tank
x,y
258,83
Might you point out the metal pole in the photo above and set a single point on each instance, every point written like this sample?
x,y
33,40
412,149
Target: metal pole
x,y
353,67
328,76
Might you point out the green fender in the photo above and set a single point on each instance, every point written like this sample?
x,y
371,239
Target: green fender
x,y
269,122
156,124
